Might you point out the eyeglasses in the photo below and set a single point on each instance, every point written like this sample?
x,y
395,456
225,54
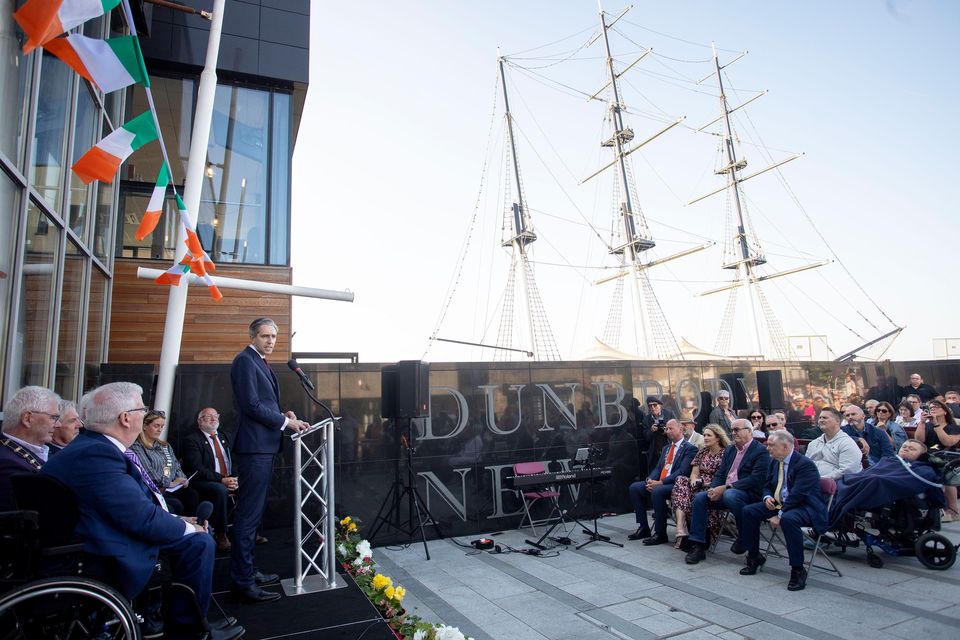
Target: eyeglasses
x,y
210,417
53,416
756,417
742,429
882,410
144,409
158,413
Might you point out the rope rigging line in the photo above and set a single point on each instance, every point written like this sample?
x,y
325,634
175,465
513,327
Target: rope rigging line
x,y
573,52
455,280
806,215
672,37
528,72
591,28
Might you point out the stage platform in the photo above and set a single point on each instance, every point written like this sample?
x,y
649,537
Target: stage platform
x,y
603,592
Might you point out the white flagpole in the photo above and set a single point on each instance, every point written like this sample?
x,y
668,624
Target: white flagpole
x,y
177,300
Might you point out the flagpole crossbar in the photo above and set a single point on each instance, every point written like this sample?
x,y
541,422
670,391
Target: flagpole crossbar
x,y
314,523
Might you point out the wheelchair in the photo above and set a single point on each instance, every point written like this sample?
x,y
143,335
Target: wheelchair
x,y
908,527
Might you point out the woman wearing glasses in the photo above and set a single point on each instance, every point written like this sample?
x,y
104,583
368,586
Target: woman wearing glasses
x,y
163,467
938,430
886,421
759,421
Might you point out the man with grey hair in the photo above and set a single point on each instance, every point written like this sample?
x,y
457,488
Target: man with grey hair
x,y
736,483
123,521
874,443
260,426
791,500
67,429
29,418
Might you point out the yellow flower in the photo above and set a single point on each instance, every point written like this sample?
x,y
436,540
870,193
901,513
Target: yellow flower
x,y
398,594
351,527
345,521
389,592
380,581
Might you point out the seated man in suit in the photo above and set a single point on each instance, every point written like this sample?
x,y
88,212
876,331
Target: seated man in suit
x,y
675,460
29,419
736,483
791,500
123,521
206,452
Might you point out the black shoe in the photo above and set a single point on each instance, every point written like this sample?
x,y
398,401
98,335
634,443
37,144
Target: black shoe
x,y
655,540
753,564
261,539
265,579
639,534
798,579
738,548
253,594
698,552
229,633
229,621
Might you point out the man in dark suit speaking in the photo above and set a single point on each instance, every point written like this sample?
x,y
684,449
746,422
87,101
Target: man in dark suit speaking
x,y
260,425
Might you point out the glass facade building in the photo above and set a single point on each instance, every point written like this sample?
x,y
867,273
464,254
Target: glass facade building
x,y
61,240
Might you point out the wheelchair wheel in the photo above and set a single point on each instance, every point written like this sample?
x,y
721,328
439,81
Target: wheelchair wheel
x,y
874,560
66,608
935,551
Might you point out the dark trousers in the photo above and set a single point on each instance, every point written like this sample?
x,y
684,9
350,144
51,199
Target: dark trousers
x,y
643,500
790,523
732,499
254,471
218,495
191,562
183,502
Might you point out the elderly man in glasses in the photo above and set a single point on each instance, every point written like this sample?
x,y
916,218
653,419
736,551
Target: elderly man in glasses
x,y
67,428
29,418
206,453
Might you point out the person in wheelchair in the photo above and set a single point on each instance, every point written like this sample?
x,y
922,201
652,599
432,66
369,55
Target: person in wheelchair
x,y
123,520
910,475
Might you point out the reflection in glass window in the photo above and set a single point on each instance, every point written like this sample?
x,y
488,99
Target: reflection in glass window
x,y
68,339
31,343
174,100
84,137
93,355
232,218
49,140
14,88
9,208
103,222
160,243
280,181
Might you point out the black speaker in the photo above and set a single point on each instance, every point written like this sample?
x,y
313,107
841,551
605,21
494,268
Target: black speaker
x,y
738,392
388,391
770,389
412,389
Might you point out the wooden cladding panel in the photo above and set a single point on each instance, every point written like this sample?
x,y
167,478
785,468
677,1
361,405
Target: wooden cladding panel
x,y
213,332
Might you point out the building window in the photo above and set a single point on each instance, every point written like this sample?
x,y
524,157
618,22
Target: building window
x,y
15,75
9,212
67,374
49,140
96,313
243,216
33,337
84,137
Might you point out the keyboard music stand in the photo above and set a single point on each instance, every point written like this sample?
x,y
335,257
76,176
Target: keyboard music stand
x,y
587,461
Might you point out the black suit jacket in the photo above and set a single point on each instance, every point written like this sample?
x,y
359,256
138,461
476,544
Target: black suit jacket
x,y
197,456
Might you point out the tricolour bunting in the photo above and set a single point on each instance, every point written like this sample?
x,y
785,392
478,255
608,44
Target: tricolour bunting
x,y
44,20
102,161
155,206
110,64
195,261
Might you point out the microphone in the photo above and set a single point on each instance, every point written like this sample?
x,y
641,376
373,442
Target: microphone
x,y
295,367
204,510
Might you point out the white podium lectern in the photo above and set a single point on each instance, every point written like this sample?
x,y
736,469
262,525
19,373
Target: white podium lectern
x,y
315,565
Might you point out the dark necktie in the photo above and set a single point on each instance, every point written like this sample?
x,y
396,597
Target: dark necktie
x,y
221,460
132,456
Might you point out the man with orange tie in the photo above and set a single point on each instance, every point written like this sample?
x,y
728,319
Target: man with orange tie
x,y
675,461
791,500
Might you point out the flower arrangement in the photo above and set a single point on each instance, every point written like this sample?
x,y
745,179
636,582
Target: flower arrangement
x,y
356,558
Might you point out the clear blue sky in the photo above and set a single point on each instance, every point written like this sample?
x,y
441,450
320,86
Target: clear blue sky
x,y
388,163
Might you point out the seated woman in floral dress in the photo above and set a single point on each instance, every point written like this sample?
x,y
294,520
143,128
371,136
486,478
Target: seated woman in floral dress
x,y
705,464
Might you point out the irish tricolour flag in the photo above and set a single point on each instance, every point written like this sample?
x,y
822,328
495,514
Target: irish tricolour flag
x,y
44,20
102,161
155,206
110,64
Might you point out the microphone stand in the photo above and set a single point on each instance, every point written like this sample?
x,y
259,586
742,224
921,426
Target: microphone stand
x,y
594,535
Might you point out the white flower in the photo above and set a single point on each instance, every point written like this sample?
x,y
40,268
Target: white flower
x,y
364,550
358,561
342,549
420,635
449,633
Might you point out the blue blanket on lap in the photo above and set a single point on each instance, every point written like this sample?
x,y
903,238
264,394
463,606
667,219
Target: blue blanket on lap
x,y
884,483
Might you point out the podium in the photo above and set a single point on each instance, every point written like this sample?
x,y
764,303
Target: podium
x,y
314,520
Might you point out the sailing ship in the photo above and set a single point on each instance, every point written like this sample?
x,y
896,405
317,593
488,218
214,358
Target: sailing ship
x,y
643,328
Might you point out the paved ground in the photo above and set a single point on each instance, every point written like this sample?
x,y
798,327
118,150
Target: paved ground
x,y
603,592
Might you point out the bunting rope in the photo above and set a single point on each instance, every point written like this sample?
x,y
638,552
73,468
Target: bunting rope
x,y
111,65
